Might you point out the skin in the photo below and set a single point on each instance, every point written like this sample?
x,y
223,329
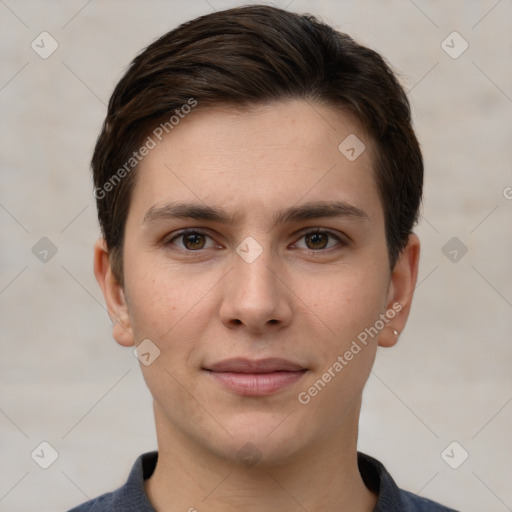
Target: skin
x,y
304,299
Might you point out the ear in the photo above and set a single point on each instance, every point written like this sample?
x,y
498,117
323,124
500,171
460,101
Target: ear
x,y
114,295
401,290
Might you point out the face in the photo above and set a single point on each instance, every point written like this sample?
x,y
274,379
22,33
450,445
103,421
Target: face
x,y
255,260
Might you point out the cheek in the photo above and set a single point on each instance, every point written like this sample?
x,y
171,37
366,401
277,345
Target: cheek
x,y
347,301
161,296
347,304
172,308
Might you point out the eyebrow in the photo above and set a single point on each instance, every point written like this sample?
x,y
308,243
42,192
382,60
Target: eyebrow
x,y
307,211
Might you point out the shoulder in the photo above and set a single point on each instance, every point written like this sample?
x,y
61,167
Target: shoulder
x,y
102,503
414,503
131,497
390,498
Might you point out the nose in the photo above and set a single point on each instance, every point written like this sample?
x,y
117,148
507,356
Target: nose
x,y
254,297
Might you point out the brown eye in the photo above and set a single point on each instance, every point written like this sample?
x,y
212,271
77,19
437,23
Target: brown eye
x,y
193,241
317,240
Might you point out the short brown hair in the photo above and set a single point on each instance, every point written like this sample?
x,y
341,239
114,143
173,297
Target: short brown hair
x,y
247,56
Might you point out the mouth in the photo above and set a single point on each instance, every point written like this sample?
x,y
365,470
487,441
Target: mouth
x,y
251,377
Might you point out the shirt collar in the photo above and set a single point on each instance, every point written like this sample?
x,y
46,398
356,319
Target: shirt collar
x,y
132,496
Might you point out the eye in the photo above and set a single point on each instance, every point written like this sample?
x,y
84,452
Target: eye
x,y
319,239
191,240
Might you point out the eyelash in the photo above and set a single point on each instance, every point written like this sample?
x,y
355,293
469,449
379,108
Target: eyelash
x,y
185,232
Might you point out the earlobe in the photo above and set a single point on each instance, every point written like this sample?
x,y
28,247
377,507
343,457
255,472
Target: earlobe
x,y
388,337
113,294
401,291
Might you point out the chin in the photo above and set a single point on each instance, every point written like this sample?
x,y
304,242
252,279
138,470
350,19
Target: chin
x,y
262,439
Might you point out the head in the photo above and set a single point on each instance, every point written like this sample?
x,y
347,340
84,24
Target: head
x,y
251,137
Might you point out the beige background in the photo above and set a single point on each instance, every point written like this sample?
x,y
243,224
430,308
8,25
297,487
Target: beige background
x,y
66,382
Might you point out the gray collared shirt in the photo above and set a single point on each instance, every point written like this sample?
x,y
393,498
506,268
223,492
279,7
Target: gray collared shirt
x,y
131,497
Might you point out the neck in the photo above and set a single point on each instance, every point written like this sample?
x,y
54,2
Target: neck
x,y
321,477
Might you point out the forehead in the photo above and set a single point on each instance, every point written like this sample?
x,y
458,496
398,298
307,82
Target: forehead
x,y
261,159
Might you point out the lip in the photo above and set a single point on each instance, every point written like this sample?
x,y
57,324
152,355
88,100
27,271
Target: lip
x,y
251,377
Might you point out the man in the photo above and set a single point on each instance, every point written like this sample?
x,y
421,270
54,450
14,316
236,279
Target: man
x,y
257,181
